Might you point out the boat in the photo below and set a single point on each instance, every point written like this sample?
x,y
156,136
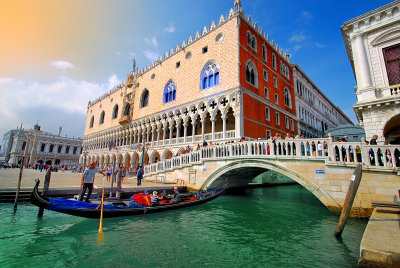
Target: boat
x,y
119,209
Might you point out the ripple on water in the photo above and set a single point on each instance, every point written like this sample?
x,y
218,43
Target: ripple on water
x,y
265,227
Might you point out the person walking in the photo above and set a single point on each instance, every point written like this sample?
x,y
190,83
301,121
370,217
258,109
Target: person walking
x,y
88,180
139,176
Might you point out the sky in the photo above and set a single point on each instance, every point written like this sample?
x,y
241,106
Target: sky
x,y
57,55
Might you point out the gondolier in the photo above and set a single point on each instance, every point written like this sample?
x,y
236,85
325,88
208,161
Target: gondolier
x,y
88,180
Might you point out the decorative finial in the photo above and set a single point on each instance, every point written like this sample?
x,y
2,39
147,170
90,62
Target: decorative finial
x,y
133,64
237,5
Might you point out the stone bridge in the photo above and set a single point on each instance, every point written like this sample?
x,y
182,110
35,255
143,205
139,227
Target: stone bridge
x,y
321,166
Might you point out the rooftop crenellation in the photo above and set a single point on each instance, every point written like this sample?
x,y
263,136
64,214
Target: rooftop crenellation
x,y
199,34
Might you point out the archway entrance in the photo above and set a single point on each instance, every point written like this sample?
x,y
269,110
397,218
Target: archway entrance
x,y
391,131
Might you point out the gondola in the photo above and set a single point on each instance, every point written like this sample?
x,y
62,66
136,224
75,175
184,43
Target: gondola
x,y
89,210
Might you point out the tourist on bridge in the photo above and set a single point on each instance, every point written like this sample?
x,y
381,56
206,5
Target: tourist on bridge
x,y
88,180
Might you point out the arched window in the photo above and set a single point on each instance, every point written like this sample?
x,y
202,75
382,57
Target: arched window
x,y
127,109
209,75
273,61
248,38
251,73
169,92
144,100
91,122
115,111
101,121
288,98
251,40
264,52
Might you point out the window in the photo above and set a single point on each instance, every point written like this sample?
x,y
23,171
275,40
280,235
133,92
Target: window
x,y
101,121
67,150
288,98
276,99
75,149
153,76
59,149
169,92
264,53
273,61
278,121
209,75
266,93
268,134
204,49
292,124
392,60
144,100
42,147
275,82
178,64
51,148
91,122
127,109
251,41
287,122
115,112
267,116
265,75
188,55
23,145
251,73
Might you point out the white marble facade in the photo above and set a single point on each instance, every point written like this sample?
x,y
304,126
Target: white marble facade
x,y
373,46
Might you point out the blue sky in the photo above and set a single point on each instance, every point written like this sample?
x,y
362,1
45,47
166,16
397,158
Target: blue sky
x,y
58,55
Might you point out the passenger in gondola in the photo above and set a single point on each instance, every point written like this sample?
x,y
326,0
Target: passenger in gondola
x,y
143,198
154,199
176,197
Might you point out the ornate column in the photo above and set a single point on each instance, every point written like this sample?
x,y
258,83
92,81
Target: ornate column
x,y
171,127
185,124
213,128
177,125
164,130
236,113
194,120
361,65
223,126
202,119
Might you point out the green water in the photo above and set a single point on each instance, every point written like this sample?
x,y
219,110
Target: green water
x,y
283,226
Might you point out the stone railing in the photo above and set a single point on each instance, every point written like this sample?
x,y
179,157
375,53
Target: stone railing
x,y
340,153
388,91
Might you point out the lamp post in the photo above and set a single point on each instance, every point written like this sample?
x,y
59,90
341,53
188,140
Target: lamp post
x,y
143,147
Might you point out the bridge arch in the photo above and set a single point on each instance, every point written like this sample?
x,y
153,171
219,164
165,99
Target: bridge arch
x,y
241,172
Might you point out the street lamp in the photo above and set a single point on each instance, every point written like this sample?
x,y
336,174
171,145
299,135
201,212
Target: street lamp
x,y
143,147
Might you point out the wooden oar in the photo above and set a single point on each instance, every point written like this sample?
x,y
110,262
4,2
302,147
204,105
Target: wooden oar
x,y
102,203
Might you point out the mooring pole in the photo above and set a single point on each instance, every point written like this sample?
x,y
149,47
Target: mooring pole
x,y
21,169
46,186
348,202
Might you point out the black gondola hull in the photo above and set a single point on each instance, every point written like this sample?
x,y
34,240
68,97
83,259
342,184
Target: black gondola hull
x,y
38,200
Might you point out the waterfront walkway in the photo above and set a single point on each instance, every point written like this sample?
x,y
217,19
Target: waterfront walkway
x,y
380,245
9,180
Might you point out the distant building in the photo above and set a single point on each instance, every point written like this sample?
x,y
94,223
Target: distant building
x,y
50,148
315,112
373,46
354,133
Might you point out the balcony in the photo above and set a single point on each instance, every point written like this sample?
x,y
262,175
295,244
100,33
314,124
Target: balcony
x,y
125,119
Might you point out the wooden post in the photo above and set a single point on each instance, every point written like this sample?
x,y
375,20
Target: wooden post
x,y
46,186
348,202
21,169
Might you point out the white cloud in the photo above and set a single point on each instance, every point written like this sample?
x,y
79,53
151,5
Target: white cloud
x,y
132,54
306,15
297,37
63,102
170,29
62,65
297,47
150,55
319,45
151,42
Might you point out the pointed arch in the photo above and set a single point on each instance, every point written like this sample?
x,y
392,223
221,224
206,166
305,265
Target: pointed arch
x,y
115,111
169,91
144,98
209,76
101,120
251,73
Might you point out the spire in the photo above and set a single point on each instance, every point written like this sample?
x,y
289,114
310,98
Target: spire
x,y
237,5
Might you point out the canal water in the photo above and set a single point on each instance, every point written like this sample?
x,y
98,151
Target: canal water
x,y
284,226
